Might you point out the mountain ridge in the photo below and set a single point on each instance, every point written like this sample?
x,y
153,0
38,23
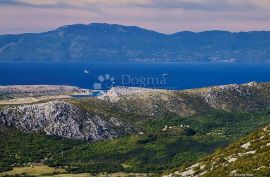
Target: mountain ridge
x,y
111,113
113,42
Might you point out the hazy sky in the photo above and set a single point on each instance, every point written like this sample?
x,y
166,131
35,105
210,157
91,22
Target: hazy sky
x,y
167,16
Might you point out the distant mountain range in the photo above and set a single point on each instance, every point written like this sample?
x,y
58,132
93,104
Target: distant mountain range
x,y
106,42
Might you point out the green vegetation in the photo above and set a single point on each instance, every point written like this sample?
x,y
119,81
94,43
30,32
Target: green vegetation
x,y
151,153
185,140
251,157
218,123
20,148
138,153
33,171
17,175
45,171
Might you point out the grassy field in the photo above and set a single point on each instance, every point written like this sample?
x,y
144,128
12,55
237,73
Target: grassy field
x,y
46,171
103,175
33,171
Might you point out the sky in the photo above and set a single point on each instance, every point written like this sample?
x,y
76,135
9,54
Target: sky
x,y
166,16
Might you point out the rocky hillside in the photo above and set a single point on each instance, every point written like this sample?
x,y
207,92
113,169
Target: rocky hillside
x,y
166,130
239,98
27,90
63,119
248,157
110,116
106,42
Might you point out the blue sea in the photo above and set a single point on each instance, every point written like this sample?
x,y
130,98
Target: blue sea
x,y
175,76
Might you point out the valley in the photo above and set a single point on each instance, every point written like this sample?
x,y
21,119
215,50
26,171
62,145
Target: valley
x,y
130,130
134,88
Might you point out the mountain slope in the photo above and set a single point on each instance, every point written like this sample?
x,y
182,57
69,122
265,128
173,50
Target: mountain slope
x,y
63,119
156,149
118,111
105,42
249,97
144,130
249,156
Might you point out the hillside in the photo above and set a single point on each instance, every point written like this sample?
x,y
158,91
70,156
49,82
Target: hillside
x,y
130,129
246,157
28,90
120,110
65,120
248,97
106,42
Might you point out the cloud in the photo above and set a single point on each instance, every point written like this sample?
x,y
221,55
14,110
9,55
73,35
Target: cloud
x,y
26,3
65,3
204,5
163,15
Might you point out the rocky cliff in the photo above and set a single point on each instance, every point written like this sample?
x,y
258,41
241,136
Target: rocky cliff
x,y
63,119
